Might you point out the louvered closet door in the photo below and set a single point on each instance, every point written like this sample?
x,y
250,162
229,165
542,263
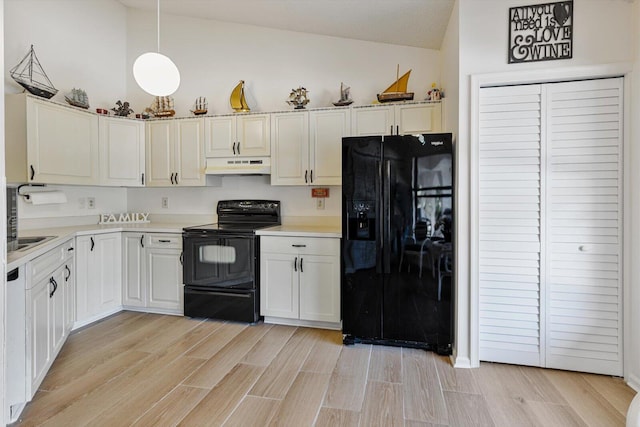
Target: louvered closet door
x,y
584,226
510,225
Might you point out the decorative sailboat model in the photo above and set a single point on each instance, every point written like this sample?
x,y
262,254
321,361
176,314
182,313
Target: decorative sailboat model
x,y
200,106
162,106
30,75
398,90
345,96
238,103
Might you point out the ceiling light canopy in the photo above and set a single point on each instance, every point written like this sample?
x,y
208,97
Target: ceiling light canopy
x,y
154,72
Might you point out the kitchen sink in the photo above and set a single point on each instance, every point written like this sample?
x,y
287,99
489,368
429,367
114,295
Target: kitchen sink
x,y
25,243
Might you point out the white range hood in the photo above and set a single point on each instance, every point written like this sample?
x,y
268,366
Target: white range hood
x,y
239,166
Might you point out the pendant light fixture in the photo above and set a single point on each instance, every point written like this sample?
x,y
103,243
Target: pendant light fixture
x,y
155,73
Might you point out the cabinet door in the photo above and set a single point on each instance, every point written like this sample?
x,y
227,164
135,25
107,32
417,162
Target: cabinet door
x,y
57,297
38,315
253,135
159,153
418,118
320,288
220,136
86,297
368,121
290,153
278,285
165,278
62,144
69,294
189,154
325,155
107,271
133,284
121,152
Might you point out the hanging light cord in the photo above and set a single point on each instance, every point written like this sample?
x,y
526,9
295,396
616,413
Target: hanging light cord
x,y
158,26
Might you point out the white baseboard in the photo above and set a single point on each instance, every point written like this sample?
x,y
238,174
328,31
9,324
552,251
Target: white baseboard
x,y
462,362
305,323
633,381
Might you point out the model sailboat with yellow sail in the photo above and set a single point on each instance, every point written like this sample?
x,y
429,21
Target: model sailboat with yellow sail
x,y
238,103
398,90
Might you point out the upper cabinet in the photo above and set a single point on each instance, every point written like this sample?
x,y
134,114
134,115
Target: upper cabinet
x,y
243,136
306,147
397,119
50,143
121,152
175,155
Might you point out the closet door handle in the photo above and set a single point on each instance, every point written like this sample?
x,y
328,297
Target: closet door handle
x,y
311,176
295,265
391,130
234,148
142,178
301,270
55,287
305,177
238,148
182,258
142,241
298,246
33,172
176,178
93,244
397,129
66,278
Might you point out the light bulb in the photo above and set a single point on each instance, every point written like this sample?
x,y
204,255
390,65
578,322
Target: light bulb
x,y
156,74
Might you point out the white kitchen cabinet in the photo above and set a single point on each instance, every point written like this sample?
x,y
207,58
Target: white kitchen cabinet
x,y
300,280
175,153
50,143
164,272
242,136
152,272
46,296
307,147
121,152
397,119
69,273
98,276
134,271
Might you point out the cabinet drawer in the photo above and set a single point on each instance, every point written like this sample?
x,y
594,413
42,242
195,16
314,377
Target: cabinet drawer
x,y
300,245
46,264
173,241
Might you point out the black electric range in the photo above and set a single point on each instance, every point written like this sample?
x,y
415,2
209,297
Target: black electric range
x,y
221,261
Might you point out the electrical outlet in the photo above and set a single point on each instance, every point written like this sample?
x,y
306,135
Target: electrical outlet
x,y
320,203
91,202
81,203
165,202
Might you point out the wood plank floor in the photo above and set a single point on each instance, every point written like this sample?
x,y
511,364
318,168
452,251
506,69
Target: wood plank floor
x,y
152,370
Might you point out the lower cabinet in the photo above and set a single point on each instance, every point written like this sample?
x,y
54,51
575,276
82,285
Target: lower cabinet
x,y
99,276
300,280
47,318
152,273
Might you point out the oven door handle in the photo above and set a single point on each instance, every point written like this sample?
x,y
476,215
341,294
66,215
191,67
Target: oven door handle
x,y
220,294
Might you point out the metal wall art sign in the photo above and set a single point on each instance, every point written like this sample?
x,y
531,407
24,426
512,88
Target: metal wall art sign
x,y
541,32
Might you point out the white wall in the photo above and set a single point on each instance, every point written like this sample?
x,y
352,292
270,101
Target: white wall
x,y
603,35
80,44
296,201
213,56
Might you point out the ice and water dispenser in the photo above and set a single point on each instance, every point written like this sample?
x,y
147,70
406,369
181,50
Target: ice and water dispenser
x,y
362,220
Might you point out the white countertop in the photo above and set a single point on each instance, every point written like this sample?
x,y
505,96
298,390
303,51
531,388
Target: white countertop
x,y
63,234
323,230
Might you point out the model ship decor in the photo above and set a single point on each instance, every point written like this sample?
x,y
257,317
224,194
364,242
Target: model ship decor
x,y
30,75
237,100
398,90
162,106
345,96
200,106
77,98
298,98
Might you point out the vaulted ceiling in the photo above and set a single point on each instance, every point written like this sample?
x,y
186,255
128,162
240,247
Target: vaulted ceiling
x,y
418,23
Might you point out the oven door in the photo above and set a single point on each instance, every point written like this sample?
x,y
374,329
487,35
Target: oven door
x,y
222,261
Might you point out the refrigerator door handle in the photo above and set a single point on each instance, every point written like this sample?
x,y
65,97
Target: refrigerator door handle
x,y
386,213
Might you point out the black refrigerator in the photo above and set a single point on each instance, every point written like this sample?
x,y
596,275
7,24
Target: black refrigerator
x,y
397,245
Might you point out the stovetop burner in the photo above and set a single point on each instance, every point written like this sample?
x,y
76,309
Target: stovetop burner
x,y
242,216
